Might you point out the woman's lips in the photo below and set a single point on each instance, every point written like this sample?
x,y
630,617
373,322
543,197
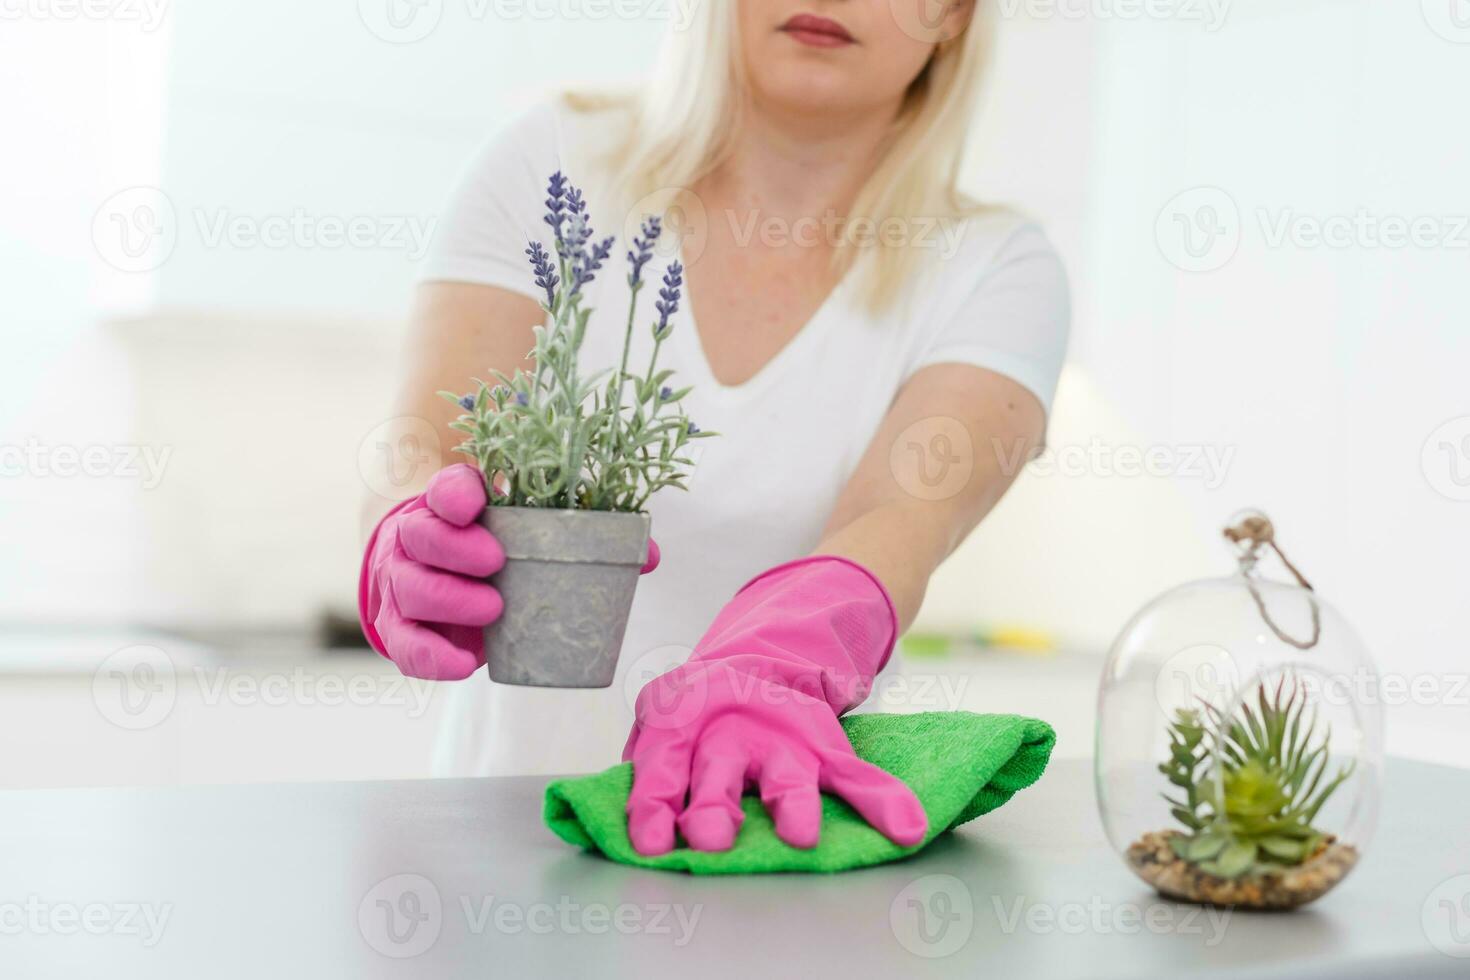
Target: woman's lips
x,y
819,32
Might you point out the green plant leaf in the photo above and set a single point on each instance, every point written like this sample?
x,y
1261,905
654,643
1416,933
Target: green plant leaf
x,y
1206,846
1235,860
1185,817
1284,849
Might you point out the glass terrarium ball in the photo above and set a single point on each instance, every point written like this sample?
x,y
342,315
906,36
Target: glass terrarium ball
x,y
1239,744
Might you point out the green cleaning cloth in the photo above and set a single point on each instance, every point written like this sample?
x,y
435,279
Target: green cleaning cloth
x,y
960,765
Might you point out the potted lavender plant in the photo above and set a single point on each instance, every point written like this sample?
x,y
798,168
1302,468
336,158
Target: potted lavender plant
x,y
570,461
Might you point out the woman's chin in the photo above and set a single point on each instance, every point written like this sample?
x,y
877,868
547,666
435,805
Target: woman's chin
x,y
807,92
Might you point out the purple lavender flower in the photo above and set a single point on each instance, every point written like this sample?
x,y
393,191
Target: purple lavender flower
x,y
521,398
668,299
584,270
467,402
665,393
642,250
574,235
693,429
546,276
568,215
556,190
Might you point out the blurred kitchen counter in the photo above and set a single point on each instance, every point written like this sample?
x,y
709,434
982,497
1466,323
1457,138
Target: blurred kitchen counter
x,y
459,877
118,708
121,708
149,709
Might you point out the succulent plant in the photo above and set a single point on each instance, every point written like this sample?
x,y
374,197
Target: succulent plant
x,y
1252,782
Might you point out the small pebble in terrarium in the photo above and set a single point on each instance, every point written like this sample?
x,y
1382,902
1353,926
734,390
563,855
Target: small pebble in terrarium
x,y
1239,738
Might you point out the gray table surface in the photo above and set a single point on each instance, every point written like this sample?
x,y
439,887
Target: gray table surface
x,y
460,878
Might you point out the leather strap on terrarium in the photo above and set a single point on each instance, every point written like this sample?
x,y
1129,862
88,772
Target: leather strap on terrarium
x,y
1252,532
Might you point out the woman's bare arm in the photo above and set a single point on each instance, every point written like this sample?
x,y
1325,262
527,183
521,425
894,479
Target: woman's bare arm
x,y
459,332
947,451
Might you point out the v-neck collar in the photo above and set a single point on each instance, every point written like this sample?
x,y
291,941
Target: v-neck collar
x,y
691,344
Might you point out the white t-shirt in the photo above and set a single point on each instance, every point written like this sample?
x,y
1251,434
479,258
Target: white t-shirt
x,y
992,294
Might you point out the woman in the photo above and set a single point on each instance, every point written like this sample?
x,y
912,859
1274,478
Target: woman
x,y
845,314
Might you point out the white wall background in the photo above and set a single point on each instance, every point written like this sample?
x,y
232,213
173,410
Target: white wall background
x,y
1319,372
1318,375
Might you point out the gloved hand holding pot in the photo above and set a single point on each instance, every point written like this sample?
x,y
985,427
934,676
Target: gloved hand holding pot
x,y
552,510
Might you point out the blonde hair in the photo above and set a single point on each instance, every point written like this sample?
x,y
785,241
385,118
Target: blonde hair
x,y
683,122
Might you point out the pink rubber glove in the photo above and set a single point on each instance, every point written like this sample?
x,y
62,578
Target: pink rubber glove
x,y
757,705
421,596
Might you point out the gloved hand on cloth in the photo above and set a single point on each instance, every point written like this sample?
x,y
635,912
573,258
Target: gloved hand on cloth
x,y
757,704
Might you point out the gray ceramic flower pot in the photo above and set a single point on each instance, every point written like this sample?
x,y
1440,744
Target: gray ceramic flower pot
x,y
568,584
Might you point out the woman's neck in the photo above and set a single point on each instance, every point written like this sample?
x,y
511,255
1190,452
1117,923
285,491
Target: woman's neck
x,y
791,166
